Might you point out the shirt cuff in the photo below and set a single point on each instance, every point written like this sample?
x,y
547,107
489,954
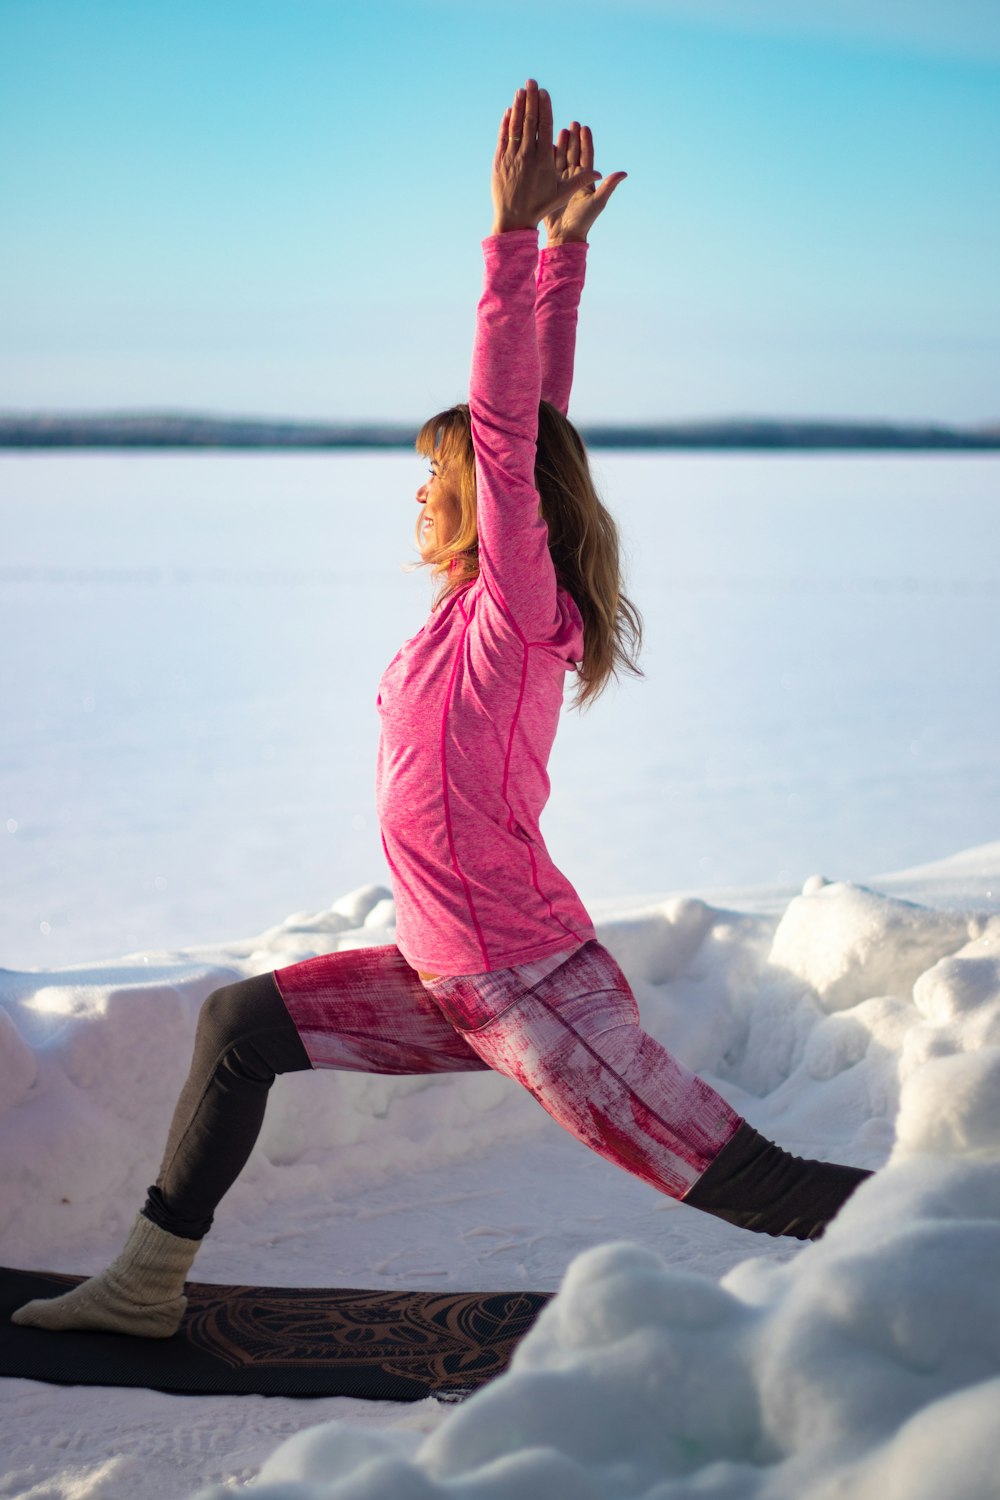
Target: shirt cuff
x,y
574,250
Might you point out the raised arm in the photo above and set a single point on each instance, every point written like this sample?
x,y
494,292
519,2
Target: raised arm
x,y
562,265
504,391
561,270
528,185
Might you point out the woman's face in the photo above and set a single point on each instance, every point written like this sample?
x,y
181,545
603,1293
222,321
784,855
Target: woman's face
x,y
440,497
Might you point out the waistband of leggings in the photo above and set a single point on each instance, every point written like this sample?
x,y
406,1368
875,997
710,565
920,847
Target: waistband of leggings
x,y
528,973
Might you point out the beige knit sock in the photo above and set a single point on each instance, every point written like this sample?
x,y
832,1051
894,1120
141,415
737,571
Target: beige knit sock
x,y
139,1293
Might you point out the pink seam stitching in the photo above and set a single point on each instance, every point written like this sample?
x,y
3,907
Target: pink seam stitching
x,y
510,739
511,819
548,899
489,577
447,801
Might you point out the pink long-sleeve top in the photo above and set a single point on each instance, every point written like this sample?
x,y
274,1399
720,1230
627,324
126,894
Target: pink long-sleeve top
x,y
470,705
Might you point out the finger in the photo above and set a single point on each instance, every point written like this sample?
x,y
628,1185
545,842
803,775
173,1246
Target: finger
x,y
586,146
544,122
530,114
607,187
561,147
503,133
515,125
573,151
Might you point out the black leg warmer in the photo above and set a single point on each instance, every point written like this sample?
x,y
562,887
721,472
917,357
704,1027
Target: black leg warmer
x,y
758,1186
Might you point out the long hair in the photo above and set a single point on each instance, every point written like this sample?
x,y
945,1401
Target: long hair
x,y
583,539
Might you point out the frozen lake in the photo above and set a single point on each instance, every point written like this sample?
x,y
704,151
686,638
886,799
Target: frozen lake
x,y
193,643
193,647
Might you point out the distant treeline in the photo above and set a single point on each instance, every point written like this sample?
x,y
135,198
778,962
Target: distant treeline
x,y
181,430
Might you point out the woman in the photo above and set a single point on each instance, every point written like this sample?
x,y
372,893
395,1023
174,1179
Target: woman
x,y
496,964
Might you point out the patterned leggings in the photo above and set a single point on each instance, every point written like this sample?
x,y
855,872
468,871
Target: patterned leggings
x,y
572,1039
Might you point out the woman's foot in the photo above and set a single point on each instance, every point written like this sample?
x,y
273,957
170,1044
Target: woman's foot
x,y
139,1293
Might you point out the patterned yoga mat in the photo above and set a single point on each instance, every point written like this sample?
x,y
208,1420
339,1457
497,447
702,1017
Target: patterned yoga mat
x,y
283,1341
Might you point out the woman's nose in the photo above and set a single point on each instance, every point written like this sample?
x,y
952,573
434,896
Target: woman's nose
x,y
422,495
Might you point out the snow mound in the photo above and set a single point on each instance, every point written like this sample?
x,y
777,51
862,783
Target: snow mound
x,y
846,942
868,1365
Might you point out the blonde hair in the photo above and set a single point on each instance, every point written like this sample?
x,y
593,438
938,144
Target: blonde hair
x,y
583,539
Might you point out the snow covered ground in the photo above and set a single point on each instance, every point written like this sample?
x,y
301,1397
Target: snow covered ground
x,y
850,1013
853,1024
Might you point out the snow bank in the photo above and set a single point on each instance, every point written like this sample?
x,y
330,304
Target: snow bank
x,y
92,1061
869,1366
855,1025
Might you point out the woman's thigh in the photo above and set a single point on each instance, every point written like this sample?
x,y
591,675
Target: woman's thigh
x,y
365,1010
574,1041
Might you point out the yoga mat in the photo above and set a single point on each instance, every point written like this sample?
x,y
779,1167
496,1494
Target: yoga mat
x,y
283,1341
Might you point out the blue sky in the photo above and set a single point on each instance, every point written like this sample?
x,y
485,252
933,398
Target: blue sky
x,y
275,206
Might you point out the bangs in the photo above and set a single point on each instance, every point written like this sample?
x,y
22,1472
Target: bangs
x,y
445,434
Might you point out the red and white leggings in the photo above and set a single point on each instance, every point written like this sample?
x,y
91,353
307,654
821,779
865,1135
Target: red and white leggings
x,y
571,1036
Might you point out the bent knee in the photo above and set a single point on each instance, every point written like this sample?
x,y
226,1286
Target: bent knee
x,y
232,1011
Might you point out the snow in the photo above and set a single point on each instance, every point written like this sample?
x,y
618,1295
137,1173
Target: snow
x,y
189,721
856,1025
851,1013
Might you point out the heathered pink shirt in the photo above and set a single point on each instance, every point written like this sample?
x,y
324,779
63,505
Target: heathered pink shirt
x,y
471,704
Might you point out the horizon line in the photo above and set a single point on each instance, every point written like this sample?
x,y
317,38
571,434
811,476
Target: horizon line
x,y
164,427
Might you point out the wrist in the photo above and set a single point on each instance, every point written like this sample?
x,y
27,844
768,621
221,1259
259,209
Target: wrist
x,y
555,240
504,224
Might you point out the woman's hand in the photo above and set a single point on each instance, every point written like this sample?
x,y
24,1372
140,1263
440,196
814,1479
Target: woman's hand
x,y
528,186
574,161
